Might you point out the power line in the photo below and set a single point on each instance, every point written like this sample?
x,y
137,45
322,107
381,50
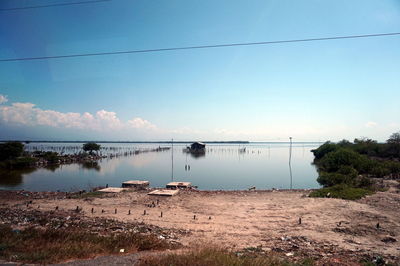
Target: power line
x,y
199,47
52,5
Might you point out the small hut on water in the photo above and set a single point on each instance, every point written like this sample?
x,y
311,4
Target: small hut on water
x,y
197,146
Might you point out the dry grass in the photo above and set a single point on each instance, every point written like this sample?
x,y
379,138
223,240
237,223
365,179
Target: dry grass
x,y
215,256
50,245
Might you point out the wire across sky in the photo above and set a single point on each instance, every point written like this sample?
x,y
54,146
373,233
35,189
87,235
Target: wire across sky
x,y
198,47
54,5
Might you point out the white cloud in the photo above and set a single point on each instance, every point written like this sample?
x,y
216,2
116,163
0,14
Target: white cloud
x,y
138,122
370,124
3,99
29,115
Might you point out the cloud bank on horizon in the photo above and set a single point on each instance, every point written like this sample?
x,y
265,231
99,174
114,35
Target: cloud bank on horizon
x,y
27,114
106,125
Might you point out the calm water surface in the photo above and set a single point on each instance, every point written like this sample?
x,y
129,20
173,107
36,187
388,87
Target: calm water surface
x,y
264,166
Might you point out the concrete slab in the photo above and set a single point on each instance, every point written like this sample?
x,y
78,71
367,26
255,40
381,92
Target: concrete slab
x,y
179,185
112,190
164,192
136,183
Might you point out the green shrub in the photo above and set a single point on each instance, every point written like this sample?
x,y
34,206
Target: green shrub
x,y
341,191
90,147
324,149
331,179
380,171
393,167
11,150
332,161
363,182
22,162
51,157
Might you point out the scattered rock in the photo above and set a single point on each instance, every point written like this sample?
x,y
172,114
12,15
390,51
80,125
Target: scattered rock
x,y
389,239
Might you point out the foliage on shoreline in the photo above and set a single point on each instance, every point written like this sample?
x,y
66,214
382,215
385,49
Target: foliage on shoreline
x,y
13,156
345,169
34,245
341,191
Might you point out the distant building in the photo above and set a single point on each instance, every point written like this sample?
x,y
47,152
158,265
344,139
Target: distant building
x,y
197,146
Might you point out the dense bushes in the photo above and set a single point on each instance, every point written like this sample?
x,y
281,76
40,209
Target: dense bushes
x,y
49,156
19,163
327,147
11,150
345,166
11,156
365,157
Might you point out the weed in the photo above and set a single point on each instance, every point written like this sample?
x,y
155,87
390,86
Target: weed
x,y
48,246
341,191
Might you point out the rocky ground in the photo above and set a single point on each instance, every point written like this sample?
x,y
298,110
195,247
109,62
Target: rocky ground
x,y
288,223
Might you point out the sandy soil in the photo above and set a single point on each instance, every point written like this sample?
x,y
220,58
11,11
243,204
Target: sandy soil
x,y
270,219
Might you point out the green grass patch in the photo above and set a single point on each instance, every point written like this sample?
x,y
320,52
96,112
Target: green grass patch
x,y
341,191
50,246
212,256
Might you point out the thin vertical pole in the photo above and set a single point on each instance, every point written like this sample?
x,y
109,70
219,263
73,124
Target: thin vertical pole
x,y
172,160
290,163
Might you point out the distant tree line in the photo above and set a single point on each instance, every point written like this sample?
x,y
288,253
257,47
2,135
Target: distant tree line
x,y
13,155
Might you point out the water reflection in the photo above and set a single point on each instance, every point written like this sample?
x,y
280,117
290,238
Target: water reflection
x,y
264,166
13,178
91,165
196,154
52,167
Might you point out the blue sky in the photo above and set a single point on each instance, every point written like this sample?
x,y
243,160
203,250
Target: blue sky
x,y
311,91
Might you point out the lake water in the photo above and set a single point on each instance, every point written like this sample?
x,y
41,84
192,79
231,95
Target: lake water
x,y
227,167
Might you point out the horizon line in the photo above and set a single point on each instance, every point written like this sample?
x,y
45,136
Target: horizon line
x,y
157,141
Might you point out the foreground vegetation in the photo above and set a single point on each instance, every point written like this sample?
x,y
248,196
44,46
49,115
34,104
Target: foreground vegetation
x,y
346,169
213,256
50,245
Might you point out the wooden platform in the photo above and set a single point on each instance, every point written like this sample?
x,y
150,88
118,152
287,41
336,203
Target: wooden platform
x,y
135,184
176,185
112,190
163,192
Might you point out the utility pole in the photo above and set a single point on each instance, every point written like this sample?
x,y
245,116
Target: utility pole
x,y
290,163
172,160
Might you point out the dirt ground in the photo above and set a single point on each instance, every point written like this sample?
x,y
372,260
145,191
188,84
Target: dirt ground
x,y
268,220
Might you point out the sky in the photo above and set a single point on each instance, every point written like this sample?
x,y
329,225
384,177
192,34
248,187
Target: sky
x,y
311,91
